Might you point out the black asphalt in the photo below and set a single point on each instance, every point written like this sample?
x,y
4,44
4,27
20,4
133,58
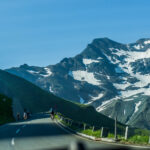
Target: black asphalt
x,y
41,133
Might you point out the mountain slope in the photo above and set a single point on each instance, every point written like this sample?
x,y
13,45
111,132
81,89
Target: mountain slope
x,y
37,100
6,114
104,74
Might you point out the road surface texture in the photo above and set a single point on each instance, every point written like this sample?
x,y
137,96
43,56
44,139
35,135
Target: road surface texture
x,y
41,133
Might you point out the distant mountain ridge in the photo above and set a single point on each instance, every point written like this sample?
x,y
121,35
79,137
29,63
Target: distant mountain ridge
x,y
111,76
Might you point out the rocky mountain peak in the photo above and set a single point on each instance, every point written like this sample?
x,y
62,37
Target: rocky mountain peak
x,y
104,40
24,66
105,74
143,41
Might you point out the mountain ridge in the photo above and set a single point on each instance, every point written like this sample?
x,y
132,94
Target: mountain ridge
x,y
104,73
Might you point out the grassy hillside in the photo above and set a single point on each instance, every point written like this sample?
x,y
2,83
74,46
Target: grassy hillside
x,y
38,100
6,114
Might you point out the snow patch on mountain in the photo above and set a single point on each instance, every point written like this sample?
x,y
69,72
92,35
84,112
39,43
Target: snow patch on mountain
x,y
119,52
32,72
143,80
106,104
138,46
89,61
95,98
111,49
137,106
108,77
125,66
48,73
128,99
122,86
124,111
135,111
132,56
147,42
85,76
136,55
50,89
129,93
99,58
114,49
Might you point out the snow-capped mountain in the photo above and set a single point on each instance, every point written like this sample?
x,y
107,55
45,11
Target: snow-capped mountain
x,y
111,76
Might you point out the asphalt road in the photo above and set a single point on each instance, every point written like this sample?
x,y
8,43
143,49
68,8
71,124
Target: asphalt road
x,y
40,133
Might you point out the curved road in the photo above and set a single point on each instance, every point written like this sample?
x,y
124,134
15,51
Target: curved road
x,y
40,133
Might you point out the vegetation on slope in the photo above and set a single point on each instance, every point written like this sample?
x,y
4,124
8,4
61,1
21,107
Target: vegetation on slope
x,y
37,100
6,114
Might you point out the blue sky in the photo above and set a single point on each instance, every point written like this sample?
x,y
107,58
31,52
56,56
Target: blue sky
x,y
42,32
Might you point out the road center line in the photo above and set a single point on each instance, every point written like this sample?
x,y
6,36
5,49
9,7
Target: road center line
x,y
17,131
13,142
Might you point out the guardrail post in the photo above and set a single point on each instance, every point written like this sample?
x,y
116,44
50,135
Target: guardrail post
x,y
93,129
71,123
149,140
115,128
102,130
84,126
126,133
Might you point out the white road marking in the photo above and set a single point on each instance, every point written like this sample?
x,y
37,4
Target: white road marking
x,y
17,131
13,142
24,126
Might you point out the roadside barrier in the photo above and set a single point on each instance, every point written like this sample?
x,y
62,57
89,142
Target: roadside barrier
x,y
118,133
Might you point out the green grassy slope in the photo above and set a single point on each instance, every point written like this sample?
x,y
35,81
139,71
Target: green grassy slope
x,y
6,114
37,100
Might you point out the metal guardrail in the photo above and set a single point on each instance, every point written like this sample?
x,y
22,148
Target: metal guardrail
x,y
104,131
121,133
